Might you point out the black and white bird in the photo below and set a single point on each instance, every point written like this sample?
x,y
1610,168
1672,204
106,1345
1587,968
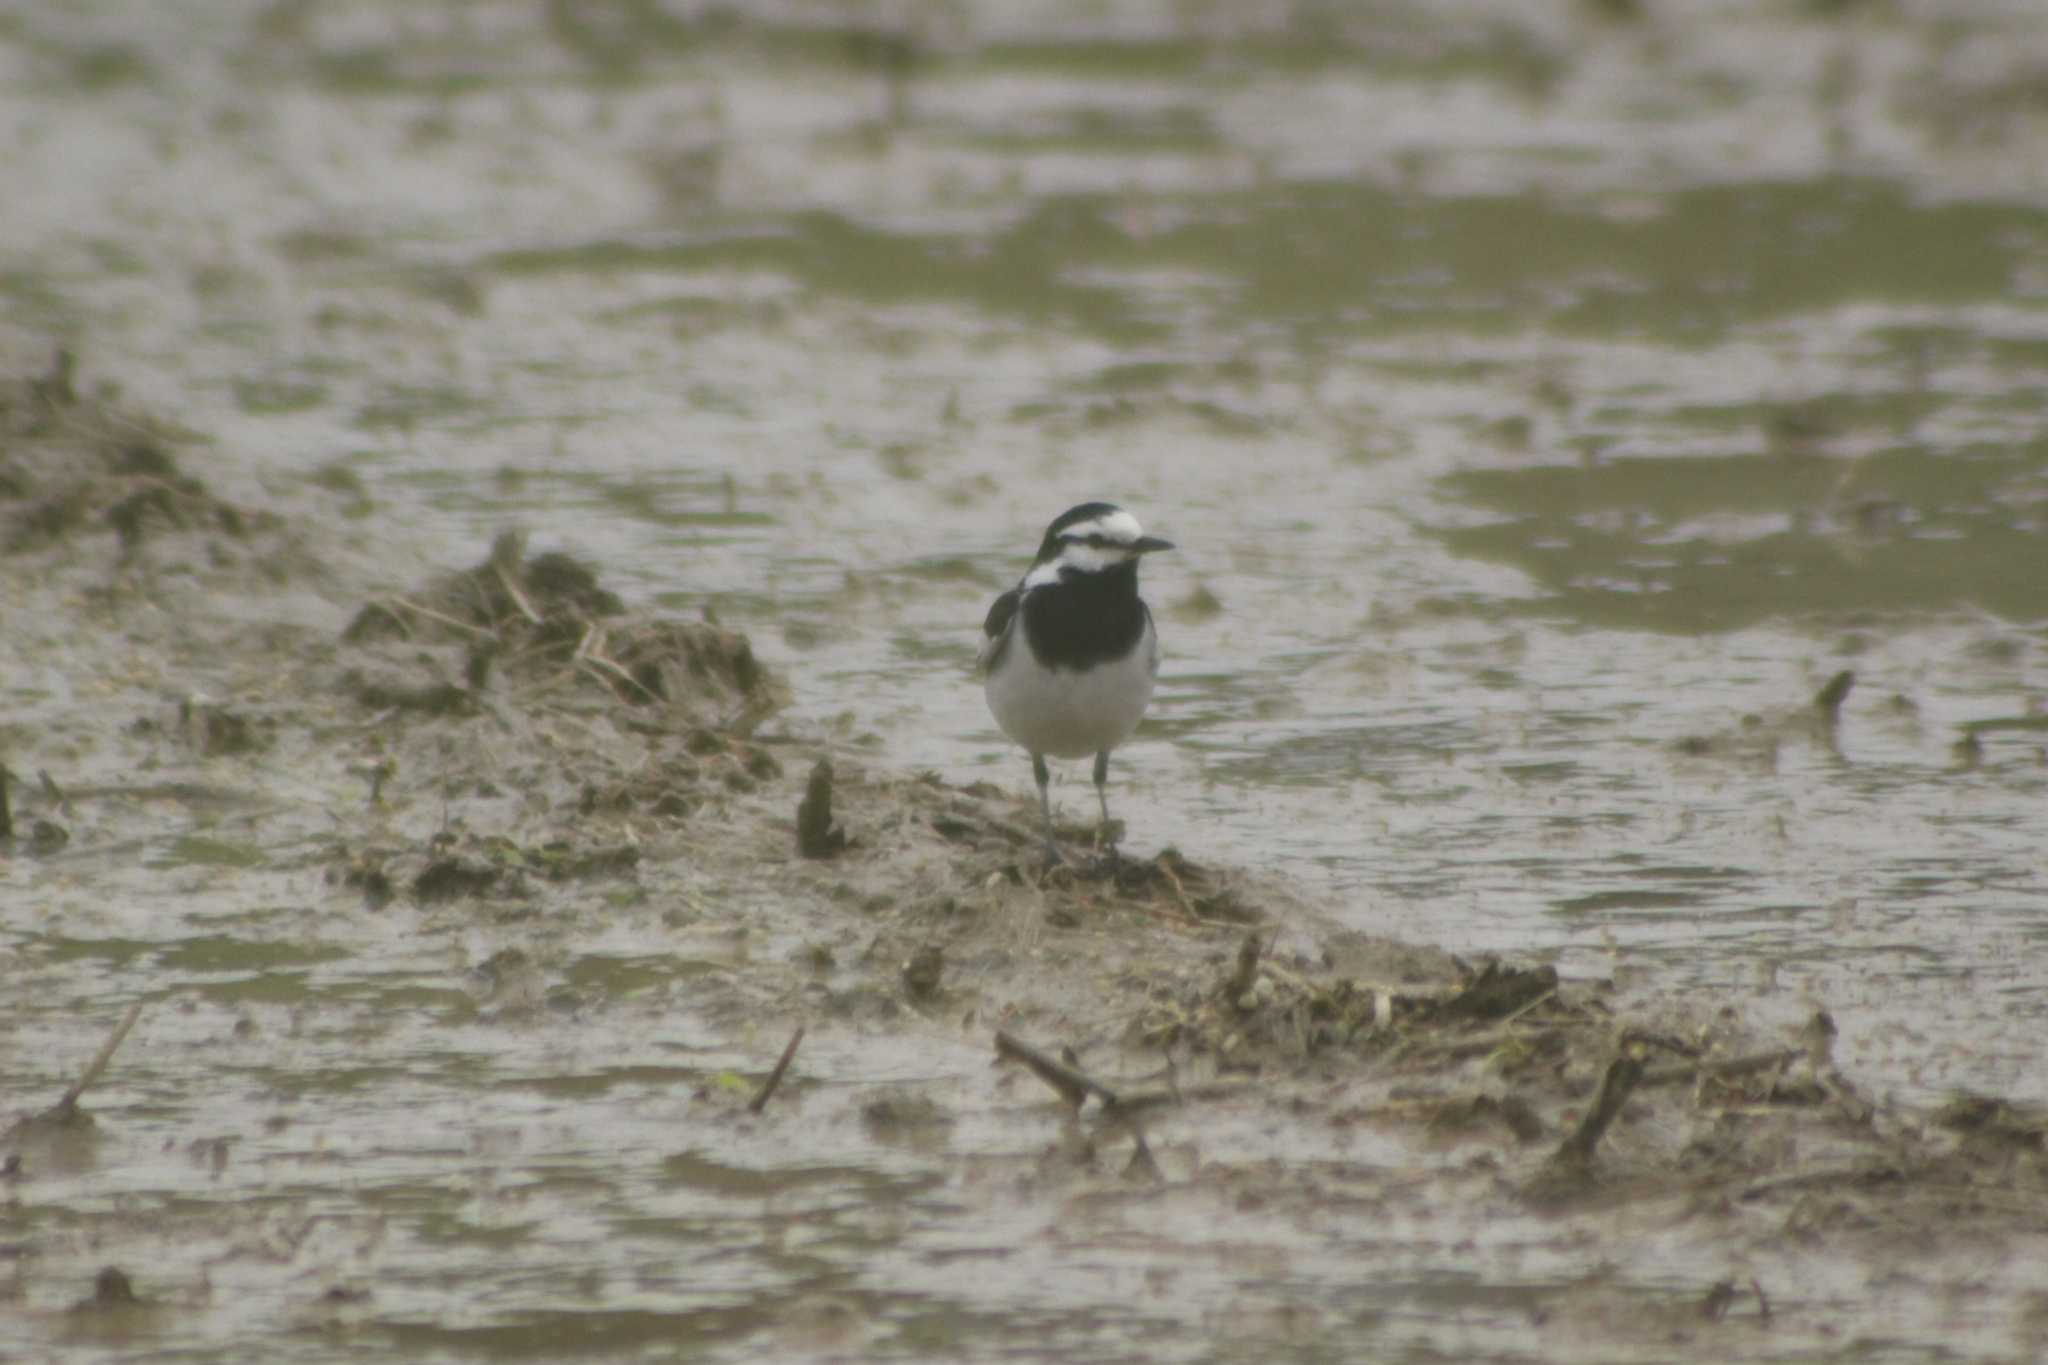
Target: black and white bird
x,y
1070,655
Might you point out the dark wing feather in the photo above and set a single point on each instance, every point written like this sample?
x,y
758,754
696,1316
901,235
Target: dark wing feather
x,y
995,629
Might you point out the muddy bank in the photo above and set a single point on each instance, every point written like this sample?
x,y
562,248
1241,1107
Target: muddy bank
x,y
498,836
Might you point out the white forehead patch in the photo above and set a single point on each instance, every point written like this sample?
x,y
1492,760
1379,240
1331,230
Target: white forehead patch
x,y
1118,526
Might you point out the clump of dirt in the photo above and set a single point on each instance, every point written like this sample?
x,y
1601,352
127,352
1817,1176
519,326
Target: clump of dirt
x,y
500,667
1264,1012
1169,881
536,622
216,731
680,774
529,608
71,467
458,866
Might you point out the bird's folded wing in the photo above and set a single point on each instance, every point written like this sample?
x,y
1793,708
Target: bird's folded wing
x,y
1002,614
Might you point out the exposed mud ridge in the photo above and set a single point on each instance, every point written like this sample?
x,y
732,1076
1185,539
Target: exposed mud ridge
x,y
512,751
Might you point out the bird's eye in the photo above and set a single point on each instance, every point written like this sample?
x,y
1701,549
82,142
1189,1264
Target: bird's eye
x,y
1095,540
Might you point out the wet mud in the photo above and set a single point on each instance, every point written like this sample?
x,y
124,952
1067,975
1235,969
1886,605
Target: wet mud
x,y
481,778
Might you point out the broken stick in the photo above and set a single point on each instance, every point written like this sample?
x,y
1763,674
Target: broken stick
x,y
767,1090
1623,1075
63,1108
1073,1086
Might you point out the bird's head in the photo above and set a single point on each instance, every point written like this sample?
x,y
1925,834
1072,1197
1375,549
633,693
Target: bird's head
x,y
1094,537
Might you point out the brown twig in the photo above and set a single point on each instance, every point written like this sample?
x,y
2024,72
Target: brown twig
x,y
1624,1073
1855,1176
421,609
1142,1164
590,653
767,1090
511,587
1510,1019
1828,701
1169,916
1180,893
1073,1086
69,1103
1728,1067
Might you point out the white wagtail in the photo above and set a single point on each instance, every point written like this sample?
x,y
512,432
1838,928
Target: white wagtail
x,y
1071,654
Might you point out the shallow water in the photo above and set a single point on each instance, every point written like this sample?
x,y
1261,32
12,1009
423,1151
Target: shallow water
x,y
1532,391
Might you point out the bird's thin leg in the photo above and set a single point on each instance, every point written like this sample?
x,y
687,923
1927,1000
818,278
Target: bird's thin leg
x,y
1052,848
1110,833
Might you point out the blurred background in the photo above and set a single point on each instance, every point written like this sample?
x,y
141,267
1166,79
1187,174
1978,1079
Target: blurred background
x,y
1548,398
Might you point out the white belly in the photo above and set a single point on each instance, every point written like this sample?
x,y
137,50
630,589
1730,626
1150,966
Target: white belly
x,y
1065,713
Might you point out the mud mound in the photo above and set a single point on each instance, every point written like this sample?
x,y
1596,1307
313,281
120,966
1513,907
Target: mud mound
x,y
529,607
537,622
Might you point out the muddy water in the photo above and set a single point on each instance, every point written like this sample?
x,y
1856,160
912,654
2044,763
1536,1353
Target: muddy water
x,y
1547,401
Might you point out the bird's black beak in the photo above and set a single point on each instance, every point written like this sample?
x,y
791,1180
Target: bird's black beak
x,y
1145,545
